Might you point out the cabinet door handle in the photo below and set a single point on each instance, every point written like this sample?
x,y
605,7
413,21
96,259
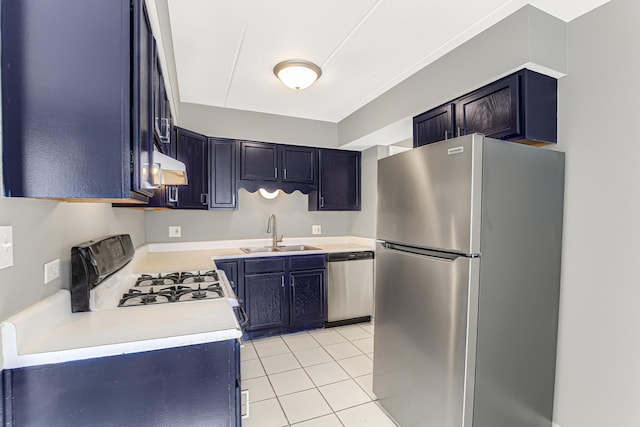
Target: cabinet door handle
x,y
282,282
285,173
321,202
458,130
276,170
233,199
204,197
162,127
446,134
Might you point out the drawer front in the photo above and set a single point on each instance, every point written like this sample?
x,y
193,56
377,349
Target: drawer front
x,y
264,265
307,262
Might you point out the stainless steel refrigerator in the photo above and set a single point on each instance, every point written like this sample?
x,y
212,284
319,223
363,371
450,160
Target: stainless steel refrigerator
x,y
467,283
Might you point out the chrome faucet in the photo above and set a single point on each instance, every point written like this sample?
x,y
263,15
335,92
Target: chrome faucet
x,y
271,228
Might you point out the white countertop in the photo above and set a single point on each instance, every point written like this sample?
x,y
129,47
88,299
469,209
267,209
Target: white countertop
x,y
168,257
48,332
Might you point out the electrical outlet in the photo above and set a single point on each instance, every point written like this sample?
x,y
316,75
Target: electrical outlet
x,y
6,247
51,271
316,229
175,231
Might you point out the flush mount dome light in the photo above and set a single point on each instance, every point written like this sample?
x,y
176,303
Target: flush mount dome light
x,y
297,74
268,194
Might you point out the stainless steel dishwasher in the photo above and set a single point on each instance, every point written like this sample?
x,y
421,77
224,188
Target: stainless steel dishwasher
x,y
350,287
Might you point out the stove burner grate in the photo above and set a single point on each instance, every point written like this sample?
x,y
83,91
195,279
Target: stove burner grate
x,y
173,287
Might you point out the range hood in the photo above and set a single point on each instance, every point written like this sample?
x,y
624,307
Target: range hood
x,y
172,171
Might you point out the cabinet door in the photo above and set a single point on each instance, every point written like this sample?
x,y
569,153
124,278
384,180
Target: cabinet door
x,y
265,300
434,125
192,151
157,93
493,110
339,181
231,270
299,164
143,179
307,296
174,375
222,173
258,161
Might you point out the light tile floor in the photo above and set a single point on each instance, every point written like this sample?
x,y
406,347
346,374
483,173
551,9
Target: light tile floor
x,y
320,378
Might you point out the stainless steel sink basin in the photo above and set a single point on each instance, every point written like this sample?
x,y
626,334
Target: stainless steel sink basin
x,y
259,249
291,248
296,248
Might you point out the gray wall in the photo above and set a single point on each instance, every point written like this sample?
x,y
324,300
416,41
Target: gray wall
x,y
599,347
44,230
249,221
237,124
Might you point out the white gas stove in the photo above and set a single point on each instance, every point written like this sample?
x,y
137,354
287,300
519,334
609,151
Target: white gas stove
x,y
102,280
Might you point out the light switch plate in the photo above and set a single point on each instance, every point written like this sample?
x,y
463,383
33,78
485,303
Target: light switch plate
x,y
175,231
316,229
6,247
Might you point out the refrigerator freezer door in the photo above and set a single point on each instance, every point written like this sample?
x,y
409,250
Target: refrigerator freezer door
x,y
430,196
420,364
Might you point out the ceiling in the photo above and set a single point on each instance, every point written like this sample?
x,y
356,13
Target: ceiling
x,y
225,51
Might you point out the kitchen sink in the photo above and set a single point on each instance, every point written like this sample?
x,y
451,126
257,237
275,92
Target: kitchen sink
x,y
259,249
291,248
296,248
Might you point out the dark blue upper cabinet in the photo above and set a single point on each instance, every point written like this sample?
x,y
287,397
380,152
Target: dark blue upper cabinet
x,y
258,161
299,164
521,107
192,150
276,166
338,182
161,111
222,174
493,110
434,125
76,99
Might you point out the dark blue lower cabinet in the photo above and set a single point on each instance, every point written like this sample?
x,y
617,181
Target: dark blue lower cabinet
x,y
284,294
195,385
265,300
308,303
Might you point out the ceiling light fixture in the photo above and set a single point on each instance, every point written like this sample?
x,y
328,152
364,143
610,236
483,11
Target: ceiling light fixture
x,y
269,195
297,73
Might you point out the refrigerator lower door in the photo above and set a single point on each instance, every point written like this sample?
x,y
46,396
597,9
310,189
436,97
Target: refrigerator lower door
x,y
421,344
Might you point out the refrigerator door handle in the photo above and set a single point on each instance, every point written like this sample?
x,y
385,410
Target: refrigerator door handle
x,y
447,256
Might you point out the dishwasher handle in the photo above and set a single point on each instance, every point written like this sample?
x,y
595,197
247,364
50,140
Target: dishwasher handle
x,y
349,256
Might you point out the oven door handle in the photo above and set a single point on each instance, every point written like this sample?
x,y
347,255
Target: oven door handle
x,y
243,319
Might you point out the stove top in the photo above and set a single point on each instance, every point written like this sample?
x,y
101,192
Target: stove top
x,y
173,287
